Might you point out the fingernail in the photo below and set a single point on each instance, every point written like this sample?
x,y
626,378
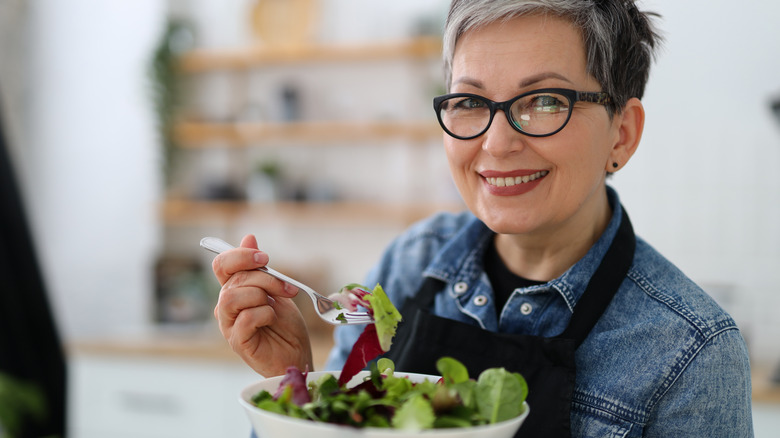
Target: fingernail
x,y
260,258
271,301
290,289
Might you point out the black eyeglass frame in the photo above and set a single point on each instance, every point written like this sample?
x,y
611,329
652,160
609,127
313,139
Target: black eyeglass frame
x,y
597,97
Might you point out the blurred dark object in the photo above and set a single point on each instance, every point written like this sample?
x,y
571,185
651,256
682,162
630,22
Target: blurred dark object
x,y
31,353
182,291
291,103
775,379
222,191
776,108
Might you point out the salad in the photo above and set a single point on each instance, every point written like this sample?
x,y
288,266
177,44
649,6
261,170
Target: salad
x,y
387,400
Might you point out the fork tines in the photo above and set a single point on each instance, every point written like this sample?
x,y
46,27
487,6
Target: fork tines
x,y
359,316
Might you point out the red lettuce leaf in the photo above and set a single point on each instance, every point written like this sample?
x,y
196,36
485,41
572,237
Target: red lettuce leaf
x,y
366,349
352,296
296,380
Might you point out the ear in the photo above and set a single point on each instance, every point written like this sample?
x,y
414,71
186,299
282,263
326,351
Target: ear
x,y
629,125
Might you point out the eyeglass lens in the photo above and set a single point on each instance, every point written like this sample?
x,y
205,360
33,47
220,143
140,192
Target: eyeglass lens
x,y
535,114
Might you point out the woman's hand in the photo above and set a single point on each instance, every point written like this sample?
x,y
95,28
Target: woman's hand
x,y
256,313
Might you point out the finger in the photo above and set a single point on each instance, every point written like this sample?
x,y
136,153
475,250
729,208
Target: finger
x,y
233,300
247,324
260,280
246,256
236,260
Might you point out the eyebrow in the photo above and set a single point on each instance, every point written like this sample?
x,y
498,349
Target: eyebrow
x,y
523,84
542,76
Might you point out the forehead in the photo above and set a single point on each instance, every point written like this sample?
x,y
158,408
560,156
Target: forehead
x,y
520,47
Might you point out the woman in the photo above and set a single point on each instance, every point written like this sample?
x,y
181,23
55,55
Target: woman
x,y
544,275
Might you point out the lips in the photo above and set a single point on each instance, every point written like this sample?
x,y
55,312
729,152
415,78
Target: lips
x,y
508,184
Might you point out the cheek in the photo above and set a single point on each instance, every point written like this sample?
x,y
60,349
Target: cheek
x,y
459,155
585,150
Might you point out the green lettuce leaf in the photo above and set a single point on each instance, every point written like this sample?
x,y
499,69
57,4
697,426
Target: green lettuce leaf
x,y
500,394
386,316
415,414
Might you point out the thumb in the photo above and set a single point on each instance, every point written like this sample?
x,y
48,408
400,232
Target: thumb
x,y
249,241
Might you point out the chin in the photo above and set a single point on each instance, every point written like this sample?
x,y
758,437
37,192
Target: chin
x,y
509,222
508,228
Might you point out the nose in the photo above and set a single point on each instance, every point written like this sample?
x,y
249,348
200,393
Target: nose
x,y
501,139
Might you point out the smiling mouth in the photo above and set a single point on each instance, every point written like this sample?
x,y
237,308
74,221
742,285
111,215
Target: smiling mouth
x,y
512,181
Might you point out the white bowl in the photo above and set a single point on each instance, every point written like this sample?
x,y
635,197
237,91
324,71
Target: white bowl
x,y
271,425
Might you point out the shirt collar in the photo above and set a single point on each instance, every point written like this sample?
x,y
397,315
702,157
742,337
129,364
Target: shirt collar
x,y
460,259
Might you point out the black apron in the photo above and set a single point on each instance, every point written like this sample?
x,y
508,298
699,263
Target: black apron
x,y
546,363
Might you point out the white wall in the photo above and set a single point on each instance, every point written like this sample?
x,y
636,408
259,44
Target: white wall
x,y
703,187
94,180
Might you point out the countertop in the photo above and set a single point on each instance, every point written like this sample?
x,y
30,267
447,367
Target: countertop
x,y
178,345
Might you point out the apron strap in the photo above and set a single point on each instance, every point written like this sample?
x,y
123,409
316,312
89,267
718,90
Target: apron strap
x,y
603,284
594,301
425,296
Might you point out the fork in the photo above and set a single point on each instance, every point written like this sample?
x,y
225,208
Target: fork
x,y
327,309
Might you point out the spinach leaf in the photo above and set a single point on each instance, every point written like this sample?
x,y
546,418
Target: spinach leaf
x,y
415,414
500,394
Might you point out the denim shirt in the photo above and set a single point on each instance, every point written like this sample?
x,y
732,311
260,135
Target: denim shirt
x,y
664,360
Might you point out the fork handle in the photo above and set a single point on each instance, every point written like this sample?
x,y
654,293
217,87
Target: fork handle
x,y
217,246
274,273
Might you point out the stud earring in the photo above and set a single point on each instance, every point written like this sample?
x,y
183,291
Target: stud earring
x,y
614,165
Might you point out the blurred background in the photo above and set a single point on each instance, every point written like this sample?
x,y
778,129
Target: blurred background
x,y
136,128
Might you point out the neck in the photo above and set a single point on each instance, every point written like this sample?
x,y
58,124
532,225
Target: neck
x,y
547,254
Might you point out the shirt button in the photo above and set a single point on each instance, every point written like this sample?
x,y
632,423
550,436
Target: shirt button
x,y
526,309
480,300
461,288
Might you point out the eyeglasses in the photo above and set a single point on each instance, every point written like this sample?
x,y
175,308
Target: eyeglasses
x,y
537,113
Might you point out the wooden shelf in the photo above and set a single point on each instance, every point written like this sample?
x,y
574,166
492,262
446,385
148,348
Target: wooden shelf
x,y
198,134
239,59
193,212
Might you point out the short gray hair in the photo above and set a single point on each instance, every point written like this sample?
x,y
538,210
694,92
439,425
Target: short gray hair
x,y
620,41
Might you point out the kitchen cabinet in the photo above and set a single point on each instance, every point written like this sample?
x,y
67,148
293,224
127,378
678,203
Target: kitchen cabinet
x,y
137,390
161,386
156,398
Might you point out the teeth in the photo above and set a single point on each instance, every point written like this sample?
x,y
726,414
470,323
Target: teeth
x,y
511,181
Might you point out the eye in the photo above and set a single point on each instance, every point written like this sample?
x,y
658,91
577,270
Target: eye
x,y
466,103
548,103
